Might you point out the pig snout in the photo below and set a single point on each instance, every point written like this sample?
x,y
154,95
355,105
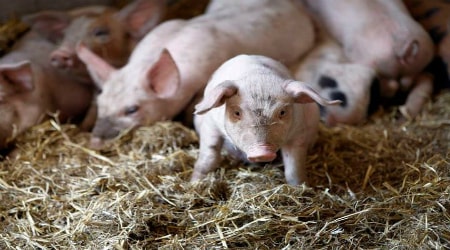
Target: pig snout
x,y
96,143
104,129
262,153
63,58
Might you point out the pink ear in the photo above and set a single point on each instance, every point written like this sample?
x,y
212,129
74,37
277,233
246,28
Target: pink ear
x,y
16,78
216,97
141,16
302,93
98,68
164,77
50,24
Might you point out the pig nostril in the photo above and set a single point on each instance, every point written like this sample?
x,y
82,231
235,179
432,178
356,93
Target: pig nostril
x,y
338,95
327,82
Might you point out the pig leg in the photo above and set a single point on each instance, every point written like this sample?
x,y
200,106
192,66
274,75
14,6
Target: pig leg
x,y
389,87
294,159
418,96
209,156
89,120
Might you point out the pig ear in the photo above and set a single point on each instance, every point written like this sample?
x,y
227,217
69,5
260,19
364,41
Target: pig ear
x,y
50,24
216,97
141,16
302,93
16,78
164,77
98,68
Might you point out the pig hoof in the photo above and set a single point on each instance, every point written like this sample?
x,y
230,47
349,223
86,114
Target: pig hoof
x,y
96,143
197,176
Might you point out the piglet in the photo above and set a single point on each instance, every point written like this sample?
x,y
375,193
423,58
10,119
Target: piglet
x,y
105,30
30,89
254,107
170,67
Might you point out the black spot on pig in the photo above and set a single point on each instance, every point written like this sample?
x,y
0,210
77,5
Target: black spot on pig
x,y
338,95
327,82
375,96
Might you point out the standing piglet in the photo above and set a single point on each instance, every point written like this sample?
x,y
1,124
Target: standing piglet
x,y
173,63
252,105
30,89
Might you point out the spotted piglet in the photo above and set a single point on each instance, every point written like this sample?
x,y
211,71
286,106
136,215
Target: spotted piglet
x,y
252,105
326,69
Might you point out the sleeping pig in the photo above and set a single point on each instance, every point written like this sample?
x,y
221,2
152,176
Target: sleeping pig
x,y
173,63
382,35
253,107
105,30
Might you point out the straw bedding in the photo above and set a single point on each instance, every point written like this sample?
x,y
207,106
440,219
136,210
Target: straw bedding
x,y
385,184
382,185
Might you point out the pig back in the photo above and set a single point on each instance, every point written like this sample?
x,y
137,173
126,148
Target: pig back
x,y
279,29
377,33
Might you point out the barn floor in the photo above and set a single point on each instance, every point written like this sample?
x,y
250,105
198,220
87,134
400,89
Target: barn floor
x,y
385,185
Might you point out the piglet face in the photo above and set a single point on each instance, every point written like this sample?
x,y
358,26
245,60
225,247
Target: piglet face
x,y
259,127
356,86
131,96
261,114
103,34
121,107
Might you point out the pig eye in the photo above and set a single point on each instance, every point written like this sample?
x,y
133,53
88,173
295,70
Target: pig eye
x,y
100,32
282,113
237,114
131,110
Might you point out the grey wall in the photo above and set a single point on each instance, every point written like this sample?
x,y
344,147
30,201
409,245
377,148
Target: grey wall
x,y
11,8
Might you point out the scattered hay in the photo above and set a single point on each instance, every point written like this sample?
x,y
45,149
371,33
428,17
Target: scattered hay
x,y
381,185
9,33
